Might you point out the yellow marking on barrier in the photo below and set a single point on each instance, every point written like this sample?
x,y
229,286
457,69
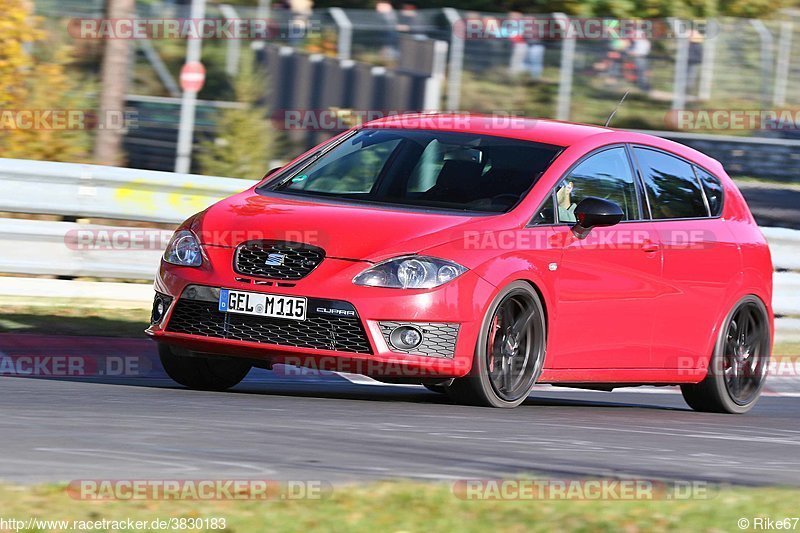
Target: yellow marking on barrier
x,y
186,200
142,198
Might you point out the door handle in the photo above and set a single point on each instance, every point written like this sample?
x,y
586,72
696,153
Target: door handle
x,y
650,247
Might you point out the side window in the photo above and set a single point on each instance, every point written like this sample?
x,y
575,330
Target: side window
x,y
607,175
546,215
713,189
672,187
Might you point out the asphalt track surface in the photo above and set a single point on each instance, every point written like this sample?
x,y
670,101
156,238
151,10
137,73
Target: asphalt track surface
x,y
298,427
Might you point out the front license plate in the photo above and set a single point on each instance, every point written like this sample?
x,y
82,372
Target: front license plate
x,y
255,303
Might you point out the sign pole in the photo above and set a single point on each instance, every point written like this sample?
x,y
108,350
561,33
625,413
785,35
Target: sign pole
x,y
183,159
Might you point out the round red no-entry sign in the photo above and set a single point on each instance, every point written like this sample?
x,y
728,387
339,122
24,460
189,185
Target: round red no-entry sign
x,y
193,76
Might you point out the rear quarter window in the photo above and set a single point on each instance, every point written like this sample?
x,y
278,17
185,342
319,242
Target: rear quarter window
x,y
713,189
672,187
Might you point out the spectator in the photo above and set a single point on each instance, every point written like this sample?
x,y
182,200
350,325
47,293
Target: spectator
x,y
535,58
519,47
408,19
617,48
695,61
639,51
389,49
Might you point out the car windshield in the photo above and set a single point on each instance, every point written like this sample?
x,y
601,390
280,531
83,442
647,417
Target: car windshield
x,y
424,169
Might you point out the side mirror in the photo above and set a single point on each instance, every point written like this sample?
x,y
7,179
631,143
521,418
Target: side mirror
x,y
593,213
271,172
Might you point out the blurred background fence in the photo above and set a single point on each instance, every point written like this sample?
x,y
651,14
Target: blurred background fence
x,y
730,64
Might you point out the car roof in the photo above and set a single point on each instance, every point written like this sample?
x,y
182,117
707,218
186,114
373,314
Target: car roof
x,y
554,132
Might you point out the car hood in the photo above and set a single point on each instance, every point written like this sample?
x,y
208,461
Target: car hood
x,y
344,231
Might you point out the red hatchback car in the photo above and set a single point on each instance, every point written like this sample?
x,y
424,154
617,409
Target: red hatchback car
x,y
478,256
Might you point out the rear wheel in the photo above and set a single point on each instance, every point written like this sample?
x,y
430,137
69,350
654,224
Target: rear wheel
x,y
738,368
510,351
203,373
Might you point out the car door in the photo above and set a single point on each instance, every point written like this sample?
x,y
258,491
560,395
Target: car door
x,y
607,283
701,257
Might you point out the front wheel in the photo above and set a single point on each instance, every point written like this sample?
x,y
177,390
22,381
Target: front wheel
x,y
510,352
738,369
203,373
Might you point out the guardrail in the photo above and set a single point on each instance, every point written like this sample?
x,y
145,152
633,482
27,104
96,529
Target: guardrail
x,y
37,247
785,247
76,190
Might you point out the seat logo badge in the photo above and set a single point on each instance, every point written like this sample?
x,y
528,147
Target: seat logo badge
x,y
275,260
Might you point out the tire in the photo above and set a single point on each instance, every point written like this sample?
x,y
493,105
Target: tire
x,y
515,342
735,379
203,373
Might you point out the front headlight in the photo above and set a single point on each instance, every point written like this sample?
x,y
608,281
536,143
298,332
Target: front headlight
x,y
184,250
410,272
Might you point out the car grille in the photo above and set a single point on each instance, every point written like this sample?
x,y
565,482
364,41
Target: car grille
x,y
438,339
277,259
318,331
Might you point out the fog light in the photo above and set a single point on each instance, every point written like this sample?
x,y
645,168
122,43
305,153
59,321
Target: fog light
x,y
160,305
405,337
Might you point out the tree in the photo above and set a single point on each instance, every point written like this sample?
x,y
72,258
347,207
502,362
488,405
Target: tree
x,y
114,83
752,8
245,140
34,79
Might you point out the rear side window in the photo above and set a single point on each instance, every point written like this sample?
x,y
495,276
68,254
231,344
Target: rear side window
x,y
672,187
713,189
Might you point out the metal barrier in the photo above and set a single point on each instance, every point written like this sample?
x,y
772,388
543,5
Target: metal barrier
x,y
785,246
74,190
37,247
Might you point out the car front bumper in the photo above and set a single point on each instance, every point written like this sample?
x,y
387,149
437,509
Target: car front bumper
x,y
331,338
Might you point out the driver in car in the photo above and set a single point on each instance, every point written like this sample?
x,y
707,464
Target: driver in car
x,y
566,209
